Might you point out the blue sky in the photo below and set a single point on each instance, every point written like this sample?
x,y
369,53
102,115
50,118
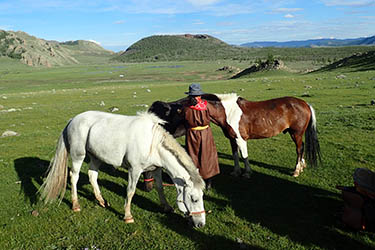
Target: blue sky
x,y
116,24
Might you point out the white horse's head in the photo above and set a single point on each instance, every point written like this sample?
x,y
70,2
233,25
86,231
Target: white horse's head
x,y
190,202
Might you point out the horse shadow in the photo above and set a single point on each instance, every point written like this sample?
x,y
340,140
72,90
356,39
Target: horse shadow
x,y
280,169
306,215
32,170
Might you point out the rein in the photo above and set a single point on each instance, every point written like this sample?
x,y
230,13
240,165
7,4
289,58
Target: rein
x,y
147,180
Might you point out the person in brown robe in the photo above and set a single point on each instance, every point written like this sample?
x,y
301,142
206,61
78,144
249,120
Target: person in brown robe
x,y
199,141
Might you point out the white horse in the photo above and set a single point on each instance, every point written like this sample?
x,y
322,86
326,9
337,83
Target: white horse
x,y
138,141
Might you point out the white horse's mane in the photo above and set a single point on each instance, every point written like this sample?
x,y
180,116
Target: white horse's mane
x,y
151,116
170,143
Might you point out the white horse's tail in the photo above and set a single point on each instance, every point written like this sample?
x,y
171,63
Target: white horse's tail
x,y
179,152
55,183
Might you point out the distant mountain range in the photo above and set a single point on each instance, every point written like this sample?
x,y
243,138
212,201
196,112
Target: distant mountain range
x,y
314,43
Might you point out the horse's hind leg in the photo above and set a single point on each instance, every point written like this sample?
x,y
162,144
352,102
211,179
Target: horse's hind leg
x,y
77,161
300,162
93,177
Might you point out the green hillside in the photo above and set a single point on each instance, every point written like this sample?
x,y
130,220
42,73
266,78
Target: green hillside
x,y
178,47
357,62
207,48
34,51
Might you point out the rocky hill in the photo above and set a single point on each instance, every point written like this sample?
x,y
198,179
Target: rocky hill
x,y
271,64
178,47
34,51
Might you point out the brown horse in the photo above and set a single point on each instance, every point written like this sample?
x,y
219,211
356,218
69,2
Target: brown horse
x,y
264,119
254,120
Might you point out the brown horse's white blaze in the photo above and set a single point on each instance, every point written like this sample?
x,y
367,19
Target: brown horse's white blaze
x,y
264,119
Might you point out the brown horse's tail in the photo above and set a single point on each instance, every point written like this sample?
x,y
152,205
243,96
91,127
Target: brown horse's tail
x,y
55,183
312,147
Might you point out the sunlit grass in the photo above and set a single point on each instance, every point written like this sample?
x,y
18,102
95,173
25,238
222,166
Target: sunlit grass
x,y
272,210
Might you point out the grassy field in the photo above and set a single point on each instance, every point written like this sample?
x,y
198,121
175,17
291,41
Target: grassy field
x,y
272,210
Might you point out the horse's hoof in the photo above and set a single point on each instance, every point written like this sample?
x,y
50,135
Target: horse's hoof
x,y
295,174
104,204
247,175
76,209
129,220
235,173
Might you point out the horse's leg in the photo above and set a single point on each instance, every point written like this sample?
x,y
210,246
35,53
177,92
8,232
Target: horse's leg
x,y
248,170
242,144
237,170
133,176
77,161
93,177
159,187
148,181
300,162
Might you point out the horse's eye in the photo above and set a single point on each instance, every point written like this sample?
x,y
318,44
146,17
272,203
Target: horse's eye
x,y
194,199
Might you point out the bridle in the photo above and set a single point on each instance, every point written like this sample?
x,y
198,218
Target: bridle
x,y
192,214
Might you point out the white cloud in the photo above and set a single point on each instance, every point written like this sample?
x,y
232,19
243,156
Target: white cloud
x,y
349,3
98,43
202,2
119,22
288,10
5,27
198,22
289,16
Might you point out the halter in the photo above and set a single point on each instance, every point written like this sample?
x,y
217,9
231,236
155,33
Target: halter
x,y
197,213
192,214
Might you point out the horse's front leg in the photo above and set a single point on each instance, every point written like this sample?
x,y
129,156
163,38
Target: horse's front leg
x,y
133,177
236,171
242,144
148,181
159,188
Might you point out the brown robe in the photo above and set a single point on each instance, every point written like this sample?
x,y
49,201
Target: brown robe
x,y
200,143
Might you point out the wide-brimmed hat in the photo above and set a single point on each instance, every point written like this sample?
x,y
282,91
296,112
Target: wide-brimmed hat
x,y
195,89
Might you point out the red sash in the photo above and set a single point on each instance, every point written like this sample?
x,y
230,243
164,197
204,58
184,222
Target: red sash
x,y
201,105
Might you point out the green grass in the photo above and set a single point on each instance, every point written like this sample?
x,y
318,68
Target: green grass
x,y
272,210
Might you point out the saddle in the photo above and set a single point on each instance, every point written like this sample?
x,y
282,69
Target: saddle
x,y
359,201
